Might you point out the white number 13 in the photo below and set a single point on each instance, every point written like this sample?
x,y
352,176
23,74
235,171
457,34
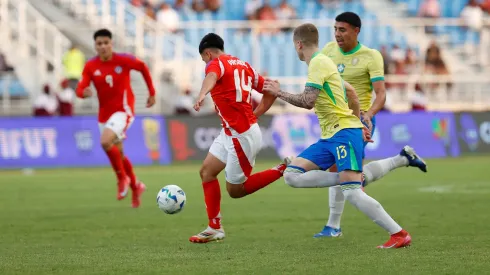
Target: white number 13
x,y
240,86
108,80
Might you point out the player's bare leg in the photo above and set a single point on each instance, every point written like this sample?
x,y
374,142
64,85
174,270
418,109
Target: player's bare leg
x,y
212,166
107,141
137,187
209,172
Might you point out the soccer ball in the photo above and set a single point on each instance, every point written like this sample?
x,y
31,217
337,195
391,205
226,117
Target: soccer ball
x,y
171,199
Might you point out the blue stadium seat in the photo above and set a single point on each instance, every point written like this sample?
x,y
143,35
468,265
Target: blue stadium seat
x,y
278,56
15,88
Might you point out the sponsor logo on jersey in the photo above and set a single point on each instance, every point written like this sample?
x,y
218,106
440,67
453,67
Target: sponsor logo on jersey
x,y
355,61
97,73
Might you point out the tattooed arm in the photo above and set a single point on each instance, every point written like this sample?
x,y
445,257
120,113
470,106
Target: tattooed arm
x,y
304,100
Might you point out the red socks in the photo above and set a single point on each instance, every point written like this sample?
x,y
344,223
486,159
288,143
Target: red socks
x,y
262,179
117,162
128,168
212,198
212,191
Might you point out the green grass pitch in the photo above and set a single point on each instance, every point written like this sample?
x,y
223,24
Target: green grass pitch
x,y
67,221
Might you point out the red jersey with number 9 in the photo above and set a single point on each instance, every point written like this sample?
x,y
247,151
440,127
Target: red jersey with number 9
x,y
112,81
233,91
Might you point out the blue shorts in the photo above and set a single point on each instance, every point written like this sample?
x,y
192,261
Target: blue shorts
x,y
373,121
345,149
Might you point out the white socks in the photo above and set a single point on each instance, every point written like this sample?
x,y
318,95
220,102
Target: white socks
x,y
372,209
336,202
378,169
320,179
311,179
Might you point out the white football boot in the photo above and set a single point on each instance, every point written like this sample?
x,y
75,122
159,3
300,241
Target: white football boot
x,y
208,235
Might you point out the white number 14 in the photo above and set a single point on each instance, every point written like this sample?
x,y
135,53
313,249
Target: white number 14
x,y
241,86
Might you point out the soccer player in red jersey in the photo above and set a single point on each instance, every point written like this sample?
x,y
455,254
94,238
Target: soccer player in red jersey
x,y
230,81
110,74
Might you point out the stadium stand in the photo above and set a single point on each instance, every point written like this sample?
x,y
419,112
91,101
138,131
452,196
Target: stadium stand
x,y
239,42
448,9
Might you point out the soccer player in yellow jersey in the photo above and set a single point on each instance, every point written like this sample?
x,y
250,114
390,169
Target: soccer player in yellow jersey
x,y
342,135
363,68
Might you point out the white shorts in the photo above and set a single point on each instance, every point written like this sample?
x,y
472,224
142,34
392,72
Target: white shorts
x,y
238,152
119,122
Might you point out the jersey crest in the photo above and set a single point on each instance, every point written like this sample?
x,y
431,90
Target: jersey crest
x,y
341,68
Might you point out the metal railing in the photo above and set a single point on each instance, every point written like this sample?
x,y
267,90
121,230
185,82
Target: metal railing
x,y
144,37
29,36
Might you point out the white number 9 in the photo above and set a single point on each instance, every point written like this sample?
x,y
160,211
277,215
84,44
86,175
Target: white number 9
x,y
108,80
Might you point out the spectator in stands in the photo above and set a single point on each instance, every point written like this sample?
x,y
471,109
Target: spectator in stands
x,y
472,15
66,97
203,5
285,12
397,54
45,104
198,6
410,61
434,64
137,3
430,9
212,5
168,18
149,10
179,4
419,99
185,103
251,9
73,63
4,65
266,13
485,6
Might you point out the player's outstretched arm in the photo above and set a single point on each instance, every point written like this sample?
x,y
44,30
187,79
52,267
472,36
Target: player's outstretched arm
x,y
352,99
304,100
207,85
264,105
83,89
140,66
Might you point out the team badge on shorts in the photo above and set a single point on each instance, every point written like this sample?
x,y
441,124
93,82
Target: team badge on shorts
x,y
341,68
118,69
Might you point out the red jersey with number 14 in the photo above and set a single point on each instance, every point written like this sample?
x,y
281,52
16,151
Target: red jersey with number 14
x,y
112,81
232,92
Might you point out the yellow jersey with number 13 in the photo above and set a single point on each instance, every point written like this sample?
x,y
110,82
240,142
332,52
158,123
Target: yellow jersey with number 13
x,y
360,67
331,105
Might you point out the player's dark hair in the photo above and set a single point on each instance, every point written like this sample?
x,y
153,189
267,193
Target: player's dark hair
x,y
103,33
307,34
349,18
211,40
